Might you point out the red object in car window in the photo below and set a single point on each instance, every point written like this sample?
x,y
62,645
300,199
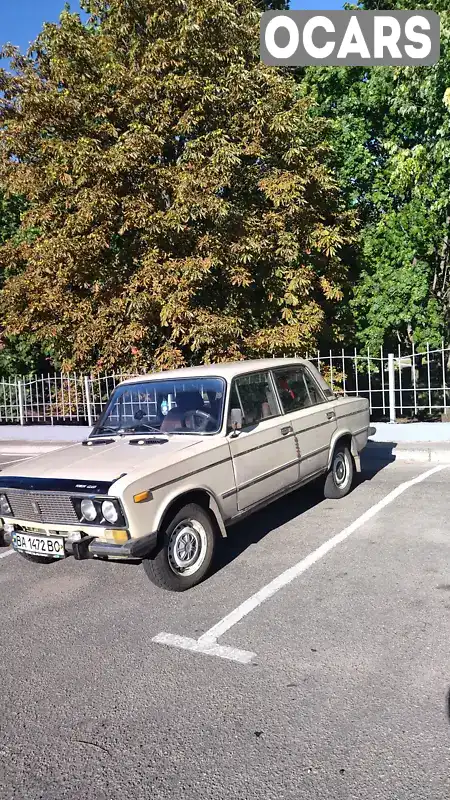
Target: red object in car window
x,y
284,385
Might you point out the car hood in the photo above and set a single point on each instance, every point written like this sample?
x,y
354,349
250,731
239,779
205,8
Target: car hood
x,y
100,462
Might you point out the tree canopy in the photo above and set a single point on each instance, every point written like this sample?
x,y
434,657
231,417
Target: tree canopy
x,y
168,199
180,195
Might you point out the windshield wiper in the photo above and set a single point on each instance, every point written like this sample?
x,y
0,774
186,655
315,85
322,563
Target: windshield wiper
x,y
138,430
128,431
147,427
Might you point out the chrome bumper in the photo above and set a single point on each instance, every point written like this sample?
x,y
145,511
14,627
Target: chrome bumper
x,y
90,547
134,549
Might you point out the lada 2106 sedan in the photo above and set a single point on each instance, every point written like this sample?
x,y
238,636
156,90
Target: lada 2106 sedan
x,y
176,458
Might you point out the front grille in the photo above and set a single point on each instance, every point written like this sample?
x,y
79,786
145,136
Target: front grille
x,y
41,507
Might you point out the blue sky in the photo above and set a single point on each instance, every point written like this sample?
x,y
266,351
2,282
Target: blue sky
x,y
21,20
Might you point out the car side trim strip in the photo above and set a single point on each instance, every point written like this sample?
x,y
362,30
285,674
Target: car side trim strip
x,y
351,413
265,444
274,472
250,450
267,475
190,474
315,452
230,493
280,493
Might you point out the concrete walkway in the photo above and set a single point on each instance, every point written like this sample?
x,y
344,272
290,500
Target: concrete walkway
x,y
428,452
411,432
44,433
33,439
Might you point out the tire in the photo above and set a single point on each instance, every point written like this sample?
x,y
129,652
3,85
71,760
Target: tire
x,y
339,480
38,559
188,538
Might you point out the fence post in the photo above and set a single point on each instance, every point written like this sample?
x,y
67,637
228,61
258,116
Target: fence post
x,y
21,402
87,392
391,383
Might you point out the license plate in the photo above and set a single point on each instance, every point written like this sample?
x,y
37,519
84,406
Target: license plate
x,y
39,545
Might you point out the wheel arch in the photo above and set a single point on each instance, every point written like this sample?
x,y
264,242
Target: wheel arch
x,y
201,496
344,436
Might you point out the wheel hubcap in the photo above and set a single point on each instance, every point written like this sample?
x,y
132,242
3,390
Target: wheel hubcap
x,y
187,547
340,470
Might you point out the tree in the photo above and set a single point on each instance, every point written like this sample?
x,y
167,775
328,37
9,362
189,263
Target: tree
x,y
179,190
391,134
272,5
10,210
18,354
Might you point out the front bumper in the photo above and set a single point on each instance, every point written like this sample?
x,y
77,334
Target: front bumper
x,y
91,547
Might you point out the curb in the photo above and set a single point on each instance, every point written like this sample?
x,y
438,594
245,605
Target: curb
x,y
430,456
427,455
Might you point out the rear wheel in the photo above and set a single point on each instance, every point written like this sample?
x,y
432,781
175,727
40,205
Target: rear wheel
x,y
339,479
185,551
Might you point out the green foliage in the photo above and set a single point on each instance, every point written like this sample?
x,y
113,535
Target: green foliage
x,y
22,355
181,203
392,303
272,5
391,134
19,355
11,209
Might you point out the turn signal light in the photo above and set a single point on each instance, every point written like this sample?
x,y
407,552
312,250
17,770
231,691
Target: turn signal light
x,y
142,497
119,537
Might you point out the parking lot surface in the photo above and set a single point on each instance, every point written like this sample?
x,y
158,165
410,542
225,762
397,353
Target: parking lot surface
x,y
345,695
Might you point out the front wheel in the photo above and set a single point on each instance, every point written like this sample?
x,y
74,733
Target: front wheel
x,y
185,552
339,479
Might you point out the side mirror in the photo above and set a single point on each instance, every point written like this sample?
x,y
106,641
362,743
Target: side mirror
x,y
236,419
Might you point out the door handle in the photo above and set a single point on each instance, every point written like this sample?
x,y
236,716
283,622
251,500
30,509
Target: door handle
x,y
286,431
330,415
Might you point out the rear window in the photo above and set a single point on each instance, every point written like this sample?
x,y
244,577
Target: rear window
x,y
297,389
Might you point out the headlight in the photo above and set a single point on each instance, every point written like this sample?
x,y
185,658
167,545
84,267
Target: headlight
x,y
5,508
110,512
88,510
99,511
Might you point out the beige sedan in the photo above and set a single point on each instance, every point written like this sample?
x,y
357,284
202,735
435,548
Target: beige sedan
x,y
177,458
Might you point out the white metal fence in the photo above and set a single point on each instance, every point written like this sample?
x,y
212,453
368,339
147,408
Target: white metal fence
x,y
396,384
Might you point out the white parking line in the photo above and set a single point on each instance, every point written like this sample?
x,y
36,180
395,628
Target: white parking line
x,y
207,643
8,553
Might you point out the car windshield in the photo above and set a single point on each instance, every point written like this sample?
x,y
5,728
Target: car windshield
x,y
165,406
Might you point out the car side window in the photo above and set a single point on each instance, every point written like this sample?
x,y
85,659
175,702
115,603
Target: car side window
x,y
297,389
255,396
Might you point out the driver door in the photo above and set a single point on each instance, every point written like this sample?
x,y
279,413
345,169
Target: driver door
x,y
264,452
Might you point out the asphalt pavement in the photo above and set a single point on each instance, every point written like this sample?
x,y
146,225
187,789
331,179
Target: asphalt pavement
x,y
346,693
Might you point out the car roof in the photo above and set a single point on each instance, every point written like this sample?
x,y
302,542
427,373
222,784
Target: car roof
x,y
227,370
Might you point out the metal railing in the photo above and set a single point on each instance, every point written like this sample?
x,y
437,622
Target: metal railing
x,y
396,385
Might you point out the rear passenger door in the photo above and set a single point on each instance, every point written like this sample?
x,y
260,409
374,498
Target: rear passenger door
x,y
310,414
264,453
